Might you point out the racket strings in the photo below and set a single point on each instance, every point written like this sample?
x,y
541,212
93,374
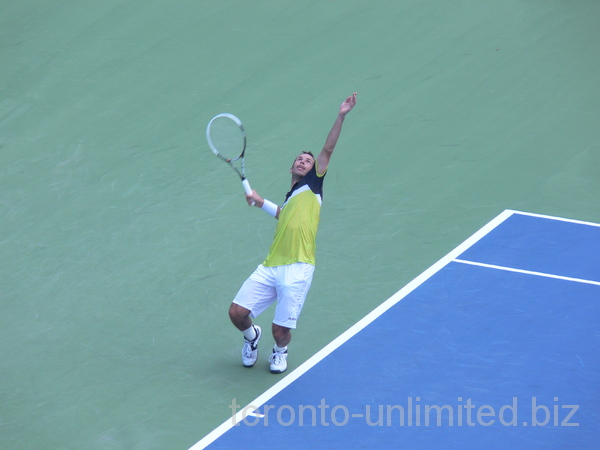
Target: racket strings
x,y
227,138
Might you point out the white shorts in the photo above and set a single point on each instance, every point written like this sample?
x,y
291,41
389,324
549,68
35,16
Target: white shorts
x,y
288,285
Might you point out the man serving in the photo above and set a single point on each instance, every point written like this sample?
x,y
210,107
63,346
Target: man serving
x,y
286,273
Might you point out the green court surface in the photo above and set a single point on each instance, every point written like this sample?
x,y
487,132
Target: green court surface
x,y
124,239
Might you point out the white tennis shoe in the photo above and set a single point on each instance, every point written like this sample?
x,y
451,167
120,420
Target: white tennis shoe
x,y
278,361
250,349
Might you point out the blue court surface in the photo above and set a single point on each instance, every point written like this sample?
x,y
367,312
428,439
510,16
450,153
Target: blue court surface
x,y
494,346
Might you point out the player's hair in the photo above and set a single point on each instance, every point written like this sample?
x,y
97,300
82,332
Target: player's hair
x,y
303,153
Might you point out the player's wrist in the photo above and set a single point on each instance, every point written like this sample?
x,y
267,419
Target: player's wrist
x,y
269,207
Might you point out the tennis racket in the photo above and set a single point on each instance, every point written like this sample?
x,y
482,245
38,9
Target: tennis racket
x,y
227,139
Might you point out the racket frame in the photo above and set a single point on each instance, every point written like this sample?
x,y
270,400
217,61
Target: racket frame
x,y
241,172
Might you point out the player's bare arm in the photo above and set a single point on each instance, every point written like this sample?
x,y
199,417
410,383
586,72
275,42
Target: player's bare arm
x,y
334,134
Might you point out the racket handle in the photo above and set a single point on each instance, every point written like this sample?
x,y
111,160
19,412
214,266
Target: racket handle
x,y
246,185
247,188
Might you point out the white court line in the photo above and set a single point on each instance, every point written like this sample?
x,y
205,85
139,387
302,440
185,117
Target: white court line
x,y
337,342
560,219
527,272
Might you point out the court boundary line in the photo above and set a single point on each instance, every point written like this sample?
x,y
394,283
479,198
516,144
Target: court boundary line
x,y
452,256
530,272
559,219
526,272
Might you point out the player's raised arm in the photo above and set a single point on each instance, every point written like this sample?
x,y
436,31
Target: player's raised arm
x,y
334,134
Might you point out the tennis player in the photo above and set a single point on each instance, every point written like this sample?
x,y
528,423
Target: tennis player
x,y
286,274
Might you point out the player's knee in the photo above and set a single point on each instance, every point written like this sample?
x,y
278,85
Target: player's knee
x,y
237,312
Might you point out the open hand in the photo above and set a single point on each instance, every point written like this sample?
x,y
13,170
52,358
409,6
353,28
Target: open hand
x,y
348,104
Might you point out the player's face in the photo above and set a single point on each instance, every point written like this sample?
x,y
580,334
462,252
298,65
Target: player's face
x,y
302,164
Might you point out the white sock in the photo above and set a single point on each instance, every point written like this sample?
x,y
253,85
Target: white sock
x,y
250,333
280,349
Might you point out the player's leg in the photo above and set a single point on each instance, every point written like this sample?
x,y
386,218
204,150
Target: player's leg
x,y
240,317
282,335
293,283
278,358
255,295
242,320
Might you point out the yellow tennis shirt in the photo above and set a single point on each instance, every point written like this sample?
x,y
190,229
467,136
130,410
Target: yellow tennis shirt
x,y
296,232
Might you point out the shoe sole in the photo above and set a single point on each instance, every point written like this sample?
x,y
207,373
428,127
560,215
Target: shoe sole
x,y
252,365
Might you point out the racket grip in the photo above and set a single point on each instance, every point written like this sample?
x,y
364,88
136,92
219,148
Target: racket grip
x,y
247,188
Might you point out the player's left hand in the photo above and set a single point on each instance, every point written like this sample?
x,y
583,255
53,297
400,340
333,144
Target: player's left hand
x,y
348,104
